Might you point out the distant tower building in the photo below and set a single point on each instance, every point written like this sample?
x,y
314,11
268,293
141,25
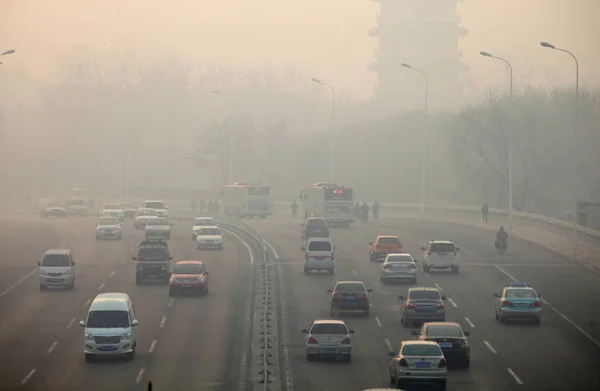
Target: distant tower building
x,y
423,34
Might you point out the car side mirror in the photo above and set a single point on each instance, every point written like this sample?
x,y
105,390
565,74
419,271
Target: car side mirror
x,y
415,332
415,261
170,258
370,243
369,290
422,248
391,354
39,263
443,297
457,248
351,331
72,263
467,333
495,295
134,323
134,258
206,273
401,298
304,331
540,296
303,248
82,323
330,290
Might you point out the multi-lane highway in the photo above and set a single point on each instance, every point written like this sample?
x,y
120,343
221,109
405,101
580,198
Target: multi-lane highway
x,y
562,353
185,343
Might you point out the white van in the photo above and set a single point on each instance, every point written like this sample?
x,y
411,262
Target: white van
x,y
319,255
57,268
109,326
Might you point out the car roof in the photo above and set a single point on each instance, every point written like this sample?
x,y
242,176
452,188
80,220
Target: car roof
x,y
424,288
441,241
204,218
349,282
399,254
191,262
387,236
419,342
319,239
315,218
328,321
110,301
443,324
154,201
57,251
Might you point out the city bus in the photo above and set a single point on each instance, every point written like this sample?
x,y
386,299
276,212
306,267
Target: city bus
x,y
247,200
332,202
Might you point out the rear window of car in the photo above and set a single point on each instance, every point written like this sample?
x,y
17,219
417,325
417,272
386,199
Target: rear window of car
x,y
520,293
442,248
329,329
319,246
400,259
421,350
317,223
388,241
444,331
424,295
350,287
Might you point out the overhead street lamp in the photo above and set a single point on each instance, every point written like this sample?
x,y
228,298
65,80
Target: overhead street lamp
x,y
230,164
510,140
576,131
423,139
331,132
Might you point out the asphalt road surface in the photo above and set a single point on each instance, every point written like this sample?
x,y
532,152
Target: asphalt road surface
x,y
563,353
185,343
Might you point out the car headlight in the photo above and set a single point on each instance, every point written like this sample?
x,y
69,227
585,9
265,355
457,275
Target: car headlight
x,y
126,337
44,273
89,337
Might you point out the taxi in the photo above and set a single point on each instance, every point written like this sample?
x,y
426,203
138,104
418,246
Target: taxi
x,y
518,301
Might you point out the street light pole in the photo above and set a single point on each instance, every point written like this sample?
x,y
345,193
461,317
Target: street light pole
x,y
510,140
424,138
332,131
230,147
576,131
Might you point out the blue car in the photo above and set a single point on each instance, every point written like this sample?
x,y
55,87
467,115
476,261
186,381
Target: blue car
x,y
518,301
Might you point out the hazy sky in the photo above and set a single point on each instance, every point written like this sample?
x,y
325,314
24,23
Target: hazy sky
x,y
326,38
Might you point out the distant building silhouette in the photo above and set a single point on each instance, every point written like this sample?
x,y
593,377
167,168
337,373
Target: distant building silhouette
x,y
423,34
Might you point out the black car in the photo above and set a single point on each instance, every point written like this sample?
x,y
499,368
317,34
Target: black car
x,y
450,337
349,296
314,227
153,261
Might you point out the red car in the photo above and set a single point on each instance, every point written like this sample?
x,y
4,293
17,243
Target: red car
x,y
189,276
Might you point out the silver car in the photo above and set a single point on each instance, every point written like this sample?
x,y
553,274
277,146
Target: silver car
x,y
158,228
418,362
142,216
109,228
422,305
398,267
328,338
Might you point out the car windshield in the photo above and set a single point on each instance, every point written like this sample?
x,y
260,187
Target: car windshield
x,y
153,253
442,248
108,221
107,319
400,258
204,222
520,294
209,231
55,260
147,212
424,295
421,350
444,331
53,205
319,246
157,222
188,268
388,241
334,328
317,224
155,205
112,206
350,287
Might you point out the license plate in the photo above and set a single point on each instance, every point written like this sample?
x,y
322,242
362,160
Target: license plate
x,y
55,279
186,286
350,297
329,351
445,344
422,365
107,348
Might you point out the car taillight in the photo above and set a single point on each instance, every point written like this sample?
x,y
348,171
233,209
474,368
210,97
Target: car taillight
x,y
337,297
439,306
506,303
443,363
411,305
346,341
402,363
362,296
536,304
428,252
386,267
312,341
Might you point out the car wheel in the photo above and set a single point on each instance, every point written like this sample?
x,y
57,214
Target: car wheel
x,y
399,384
367,312
496,315
42,288
443,385
88,357
405,322
138,279
333,311
131,354
332,271
455,270
425,269
305,270
467,363
171,293
415,281
392,378
537,321
309,357
349,358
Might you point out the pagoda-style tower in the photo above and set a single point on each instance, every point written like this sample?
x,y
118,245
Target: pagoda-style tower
x,y
423,34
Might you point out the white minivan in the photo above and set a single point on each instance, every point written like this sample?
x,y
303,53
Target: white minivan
x,y
57,268
109,326
319,255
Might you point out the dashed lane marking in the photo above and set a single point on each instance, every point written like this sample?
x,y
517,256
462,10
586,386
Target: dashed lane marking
x,y
101,286
87,302
112,274
71,323
355,273
469,322
389,345
140,375
438,286
378,321
26,379
52,347
489,346
452,302
16,284
152,346
171,302
514,376
163,321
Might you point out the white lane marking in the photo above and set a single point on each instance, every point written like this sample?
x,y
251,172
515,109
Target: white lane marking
x,y
28,376
469,322
428,275
355,273
140,375
71,323
438,286
171,302
471,253
13,286
250,253
575,325
101,286
112,274
489,346
66,241
514,375
389,345
51,348
275,254
163,321
452,302
152,346
378,321
87,302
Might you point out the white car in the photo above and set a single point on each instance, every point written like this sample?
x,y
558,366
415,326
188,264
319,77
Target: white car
x,y
57,268
158,228
418,362
158,206
109,228
201,222
398,267
441,254
142,216
319,254
328,338
209,238
113,210
53,209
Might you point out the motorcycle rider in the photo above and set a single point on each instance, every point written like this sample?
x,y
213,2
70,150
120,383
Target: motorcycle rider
x,y
365,212
376,208
501,237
